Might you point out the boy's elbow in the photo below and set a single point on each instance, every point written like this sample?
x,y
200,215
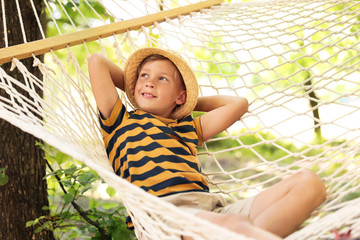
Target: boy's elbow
x,y
243,106
95,59
243,103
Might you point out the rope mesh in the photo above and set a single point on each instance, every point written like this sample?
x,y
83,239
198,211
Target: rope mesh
x,y
298,64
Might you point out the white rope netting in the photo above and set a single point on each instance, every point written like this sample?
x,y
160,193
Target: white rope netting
x,y
297,62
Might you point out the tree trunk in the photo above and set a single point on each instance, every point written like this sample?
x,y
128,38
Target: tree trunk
x,y
314,100
25,194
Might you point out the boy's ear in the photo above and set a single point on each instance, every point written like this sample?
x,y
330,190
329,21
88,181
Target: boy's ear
x,y
181,98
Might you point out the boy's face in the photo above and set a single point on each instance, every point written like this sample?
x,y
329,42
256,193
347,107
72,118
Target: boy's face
x,y
159,88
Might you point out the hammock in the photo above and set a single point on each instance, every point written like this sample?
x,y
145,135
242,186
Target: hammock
x,y
298,63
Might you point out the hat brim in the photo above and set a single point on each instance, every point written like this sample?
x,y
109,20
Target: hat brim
x,y
192,89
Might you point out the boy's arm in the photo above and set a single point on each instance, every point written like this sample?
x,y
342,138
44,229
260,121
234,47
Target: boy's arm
x,y
221,113
105,76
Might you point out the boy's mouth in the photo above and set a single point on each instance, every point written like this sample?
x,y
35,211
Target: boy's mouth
x,y
148,95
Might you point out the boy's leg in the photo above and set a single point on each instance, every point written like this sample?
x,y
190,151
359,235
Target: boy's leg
x,y
282,208
236,223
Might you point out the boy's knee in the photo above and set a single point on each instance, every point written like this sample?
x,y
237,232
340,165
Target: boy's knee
x,y
234,221
237,218
237,223
312,184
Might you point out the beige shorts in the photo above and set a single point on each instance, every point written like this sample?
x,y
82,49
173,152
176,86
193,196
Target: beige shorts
x,y
195,202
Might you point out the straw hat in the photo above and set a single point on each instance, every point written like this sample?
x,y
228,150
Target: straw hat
x,y
192,89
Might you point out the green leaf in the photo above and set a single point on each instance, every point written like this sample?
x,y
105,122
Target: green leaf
x,y
94,218
86,178
109,205
74,235
68,198
120,232
110,191
38,229
61,157
93,203
47,225
70,170
29,223
4,179
45,208
85,189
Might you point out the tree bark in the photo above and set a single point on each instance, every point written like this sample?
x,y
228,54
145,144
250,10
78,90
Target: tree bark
x,y
21,199
313,101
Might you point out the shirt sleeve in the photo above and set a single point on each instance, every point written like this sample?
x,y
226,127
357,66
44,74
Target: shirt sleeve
x,y
117,115
198,129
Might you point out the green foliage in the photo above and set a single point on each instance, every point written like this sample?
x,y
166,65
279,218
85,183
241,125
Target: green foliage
x,y
3,177
270,149
63,25
70,10
73,214
216,62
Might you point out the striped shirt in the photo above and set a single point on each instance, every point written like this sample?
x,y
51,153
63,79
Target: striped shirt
x,y
156,154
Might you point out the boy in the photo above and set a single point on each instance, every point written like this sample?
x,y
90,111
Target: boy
x,y
154,147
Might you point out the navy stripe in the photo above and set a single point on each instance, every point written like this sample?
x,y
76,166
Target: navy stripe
x,y
153,172
148,148
103,126
190,140
164,134
137,116
168,130
173,182
189,118
159,136
179,151
127,221
183,128
117,172
192,190
118,121
159,159
171,131
163,158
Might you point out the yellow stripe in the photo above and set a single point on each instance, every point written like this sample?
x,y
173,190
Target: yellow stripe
x,y
177,188
165,165
158,153
151,181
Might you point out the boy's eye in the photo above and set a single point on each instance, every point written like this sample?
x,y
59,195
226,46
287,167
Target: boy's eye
x,y
143,74
163,78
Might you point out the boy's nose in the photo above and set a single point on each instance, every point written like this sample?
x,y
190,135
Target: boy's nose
x,y
149,84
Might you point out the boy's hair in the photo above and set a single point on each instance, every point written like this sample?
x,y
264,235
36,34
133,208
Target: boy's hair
x,y
137,60
156,57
